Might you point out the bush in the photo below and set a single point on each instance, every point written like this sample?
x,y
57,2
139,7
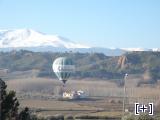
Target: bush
x,y
145,117
56,117
140,117
128,117
69,117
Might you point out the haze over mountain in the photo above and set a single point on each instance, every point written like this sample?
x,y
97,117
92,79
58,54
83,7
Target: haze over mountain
x,y
29,39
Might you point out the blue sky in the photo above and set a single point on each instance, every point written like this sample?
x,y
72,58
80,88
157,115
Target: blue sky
x,y
101,23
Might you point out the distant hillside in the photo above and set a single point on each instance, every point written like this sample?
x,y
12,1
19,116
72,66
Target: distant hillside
x,y
93,65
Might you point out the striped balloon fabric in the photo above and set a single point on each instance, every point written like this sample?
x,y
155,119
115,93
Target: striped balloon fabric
x,y
63,67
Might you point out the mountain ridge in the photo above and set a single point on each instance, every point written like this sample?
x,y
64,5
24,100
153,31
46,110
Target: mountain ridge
x,y
28,39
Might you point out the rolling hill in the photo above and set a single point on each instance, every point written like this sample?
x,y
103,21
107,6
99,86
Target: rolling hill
x,y
88,65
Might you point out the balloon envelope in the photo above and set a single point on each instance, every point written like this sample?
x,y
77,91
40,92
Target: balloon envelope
x,y
63,67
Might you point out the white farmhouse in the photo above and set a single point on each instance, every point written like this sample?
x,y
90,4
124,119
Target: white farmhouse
x,y
74,95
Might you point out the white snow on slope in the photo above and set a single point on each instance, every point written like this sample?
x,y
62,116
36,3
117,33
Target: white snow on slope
x,y
31,38
134,49
28,38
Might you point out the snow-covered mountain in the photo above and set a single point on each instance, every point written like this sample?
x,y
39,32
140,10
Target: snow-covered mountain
x,y
141,49
135,49
29,38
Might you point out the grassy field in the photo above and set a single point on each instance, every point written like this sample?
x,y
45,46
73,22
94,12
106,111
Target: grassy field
x,y
52,107
104,97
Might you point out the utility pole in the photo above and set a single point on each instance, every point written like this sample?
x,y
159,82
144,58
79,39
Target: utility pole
x,y
124,94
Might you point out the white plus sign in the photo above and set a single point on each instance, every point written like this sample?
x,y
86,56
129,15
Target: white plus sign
x,y
143,108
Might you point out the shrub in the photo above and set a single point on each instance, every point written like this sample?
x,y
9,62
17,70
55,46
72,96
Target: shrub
x,y
145,117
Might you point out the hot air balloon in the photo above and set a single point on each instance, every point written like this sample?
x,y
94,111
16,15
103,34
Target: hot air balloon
x,y
63,67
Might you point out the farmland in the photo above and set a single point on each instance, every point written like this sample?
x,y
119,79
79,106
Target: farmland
x,y
102,97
